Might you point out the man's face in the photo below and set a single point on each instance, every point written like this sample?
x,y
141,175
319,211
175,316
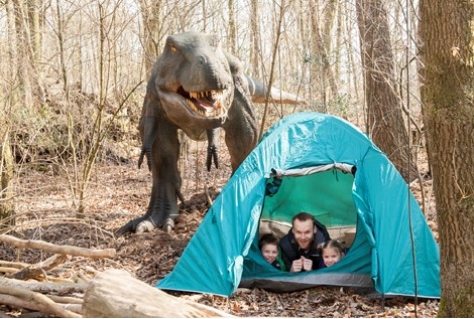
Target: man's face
x,y
304,232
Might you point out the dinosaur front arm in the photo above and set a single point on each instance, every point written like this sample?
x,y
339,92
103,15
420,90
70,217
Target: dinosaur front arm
x,y
148,128
212,147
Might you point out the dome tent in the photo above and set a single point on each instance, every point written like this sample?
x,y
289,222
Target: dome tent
x,y
323,165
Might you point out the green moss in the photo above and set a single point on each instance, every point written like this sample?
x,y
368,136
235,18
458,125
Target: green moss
x,y
461,307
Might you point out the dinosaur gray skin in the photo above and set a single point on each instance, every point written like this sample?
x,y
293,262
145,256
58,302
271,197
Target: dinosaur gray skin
x,y
197,87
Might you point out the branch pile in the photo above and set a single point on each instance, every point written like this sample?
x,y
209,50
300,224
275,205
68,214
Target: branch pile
x,y
112,293
30,286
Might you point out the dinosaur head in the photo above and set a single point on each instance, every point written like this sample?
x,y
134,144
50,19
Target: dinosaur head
x,y
194,82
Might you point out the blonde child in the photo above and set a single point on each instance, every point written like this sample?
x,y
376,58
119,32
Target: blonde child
x,y
268,245
331,252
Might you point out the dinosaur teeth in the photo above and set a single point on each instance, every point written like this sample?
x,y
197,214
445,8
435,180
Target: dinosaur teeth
x,y
209,103
192,106
215,95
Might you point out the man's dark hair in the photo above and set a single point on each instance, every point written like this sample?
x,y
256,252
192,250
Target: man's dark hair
x,y
302,217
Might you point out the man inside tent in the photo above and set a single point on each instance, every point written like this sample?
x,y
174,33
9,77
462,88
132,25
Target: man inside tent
x,y
299,248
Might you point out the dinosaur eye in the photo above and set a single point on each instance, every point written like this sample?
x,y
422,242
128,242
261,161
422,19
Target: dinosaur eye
x,y
173,49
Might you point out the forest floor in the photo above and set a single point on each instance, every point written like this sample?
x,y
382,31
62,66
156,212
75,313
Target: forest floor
x,y
119,191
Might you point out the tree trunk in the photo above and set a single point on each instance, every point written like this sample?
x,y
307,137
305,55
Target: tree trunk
x,y
35,16
28,28
385,120
22,51
254,34
6,178
151,15
231,46
447,73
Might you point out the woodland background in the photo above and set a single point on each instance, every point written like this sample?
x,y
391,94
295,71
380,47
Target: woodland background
x,y
73,78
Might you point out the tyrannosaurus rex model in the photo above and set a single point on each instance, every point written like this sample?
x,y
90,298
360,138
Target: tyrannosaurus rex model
x,y
197,87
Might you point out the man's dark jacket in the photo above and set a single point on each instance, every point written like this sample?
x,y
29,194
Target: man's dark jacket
x,y
290,250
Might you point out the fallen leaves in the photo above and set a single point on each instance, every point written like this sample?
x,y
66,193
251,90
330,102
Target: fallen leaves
x,y
121,192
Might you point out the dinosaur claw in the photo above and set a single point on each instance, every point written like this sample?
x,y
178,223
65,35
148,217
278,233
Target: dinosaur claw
x,y
146,152
148,158
145,226
211,156
169,225
140,160
125,229
180,196
214,156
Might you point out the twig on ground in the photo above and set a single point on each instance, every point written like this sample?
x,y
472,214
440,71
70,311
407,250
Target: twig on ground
x,y
13,264
38,270
23,298
57,249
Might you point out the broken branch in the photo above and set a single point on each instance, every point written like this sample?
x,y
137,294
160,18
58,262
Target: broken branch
x,y
23,298
58,249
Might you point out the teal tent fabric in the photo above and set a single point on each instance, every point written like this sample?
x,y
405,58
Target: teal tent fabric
x,y
328,167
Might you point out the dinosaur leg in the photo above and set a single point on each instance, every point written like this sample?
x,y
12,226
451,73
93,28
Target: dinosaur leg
x,y
163,208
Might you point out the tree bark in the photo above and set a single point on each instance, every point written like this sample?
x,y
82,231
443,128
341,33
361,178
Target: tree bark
x,y
231,46
385,123
447,73
6,176
254,34
152,35
44,287
321,59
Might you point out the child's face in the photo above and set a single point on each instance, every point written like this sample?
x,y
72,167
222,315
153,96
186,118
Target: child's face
x,y
331,256
270,252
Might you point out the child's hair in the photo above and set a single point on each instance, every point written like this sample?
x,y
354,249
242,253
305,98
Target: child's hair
x,y
267,239
334,244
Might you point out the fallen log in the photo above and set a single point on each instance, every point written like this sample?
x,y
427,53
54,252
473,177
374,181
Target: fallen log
x,y
115,293
44,287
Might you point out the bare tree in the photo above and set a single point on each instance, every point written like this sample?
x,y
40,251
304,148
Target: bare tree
x,y
27,24
254,34
152,32
232,28
6,173
384,113
447,73
7,98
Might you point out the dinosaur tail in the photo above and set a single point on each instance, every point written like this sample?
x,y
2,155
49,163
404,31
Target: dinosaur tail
x,y
258,91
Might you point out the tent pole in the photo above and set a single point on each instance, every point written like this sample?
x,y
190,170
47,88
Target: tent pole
x,y
410,215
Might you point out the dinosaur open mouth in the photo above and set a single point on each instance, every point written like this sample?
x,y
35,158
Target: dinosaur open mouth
x,y
205,103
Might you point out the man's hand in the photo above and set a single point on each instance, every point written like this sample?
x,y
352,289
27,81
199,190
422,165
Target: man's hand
x,y
307,264
301,264
296,265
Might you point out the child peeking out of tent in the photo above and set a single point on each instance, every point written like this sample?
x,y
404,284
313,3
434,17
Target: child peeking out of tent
x,y
331,252
268,245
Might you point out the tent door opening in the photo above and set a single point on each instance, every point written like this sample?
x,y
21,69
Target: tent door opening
x,y
326,194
